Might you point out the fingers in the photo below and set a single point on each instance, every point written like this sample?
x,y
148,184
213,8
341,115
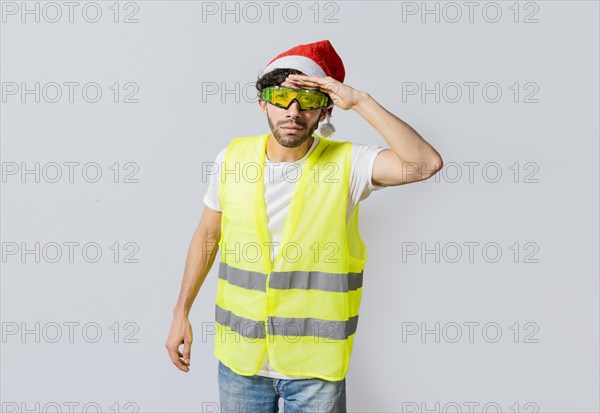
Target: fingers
x,y
324,84
303,85
187,350
176,357
314,80
309,78
181,333
303,80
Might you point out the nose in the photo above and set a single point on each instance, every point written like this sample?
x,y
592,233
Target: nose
x,y
294,109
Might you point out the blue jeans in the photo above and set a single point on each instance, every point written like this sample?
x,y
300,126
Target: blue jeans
x,y
249,394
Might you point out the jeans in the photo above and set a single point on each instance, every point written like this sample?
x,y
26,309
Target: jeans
x,y
250,394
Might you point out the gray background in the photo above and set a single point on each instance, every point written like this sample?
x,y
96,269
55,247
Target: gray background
x,y
172,54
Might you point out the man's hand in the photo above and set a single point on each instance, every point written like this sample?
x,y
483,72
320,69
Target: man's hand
x,y
343,96
181,333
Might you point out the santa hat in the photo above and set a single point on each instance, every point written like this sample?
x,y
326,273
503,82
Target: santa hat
x,y
314,59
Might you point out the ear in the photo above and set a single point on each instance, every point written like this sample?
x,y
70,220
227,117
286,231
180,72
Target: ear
x,y
324,114
263,106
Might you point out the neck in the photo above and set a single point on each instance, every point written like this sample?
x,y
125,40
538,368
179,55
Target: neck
x,y
278,153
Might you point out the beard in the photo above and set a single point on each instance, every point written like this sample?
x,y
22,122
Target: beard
x,y
292,140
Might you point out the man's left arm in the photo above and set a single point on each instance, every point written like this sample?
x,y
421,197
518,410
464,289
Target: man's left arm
x,y
410,158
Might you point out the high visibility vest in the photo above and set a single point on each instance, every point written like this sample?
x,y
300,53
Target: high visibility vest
x,y
302,307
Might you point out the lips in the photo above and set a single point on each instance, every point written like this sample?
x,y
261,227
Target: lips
x,y
292,128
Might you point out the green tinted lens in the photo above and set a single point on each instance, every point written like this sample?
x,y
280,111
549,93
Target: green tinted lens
x,y
283,97
311,99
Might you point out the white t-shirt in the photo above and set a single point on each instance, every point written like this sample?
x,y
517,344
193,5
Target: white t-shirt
x,y
279,180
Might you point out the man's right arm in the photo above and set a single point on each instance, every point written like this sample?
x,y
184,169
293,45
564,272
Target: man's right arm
x,y
201,255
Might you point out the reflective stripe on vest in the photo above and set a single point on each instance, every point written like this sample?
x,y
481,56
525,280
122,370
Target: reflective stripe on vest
x,y
294,327
301,308
306,280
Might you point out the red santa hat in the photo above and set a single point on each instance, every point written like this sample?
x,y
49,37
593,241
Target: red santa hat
x,y
314,59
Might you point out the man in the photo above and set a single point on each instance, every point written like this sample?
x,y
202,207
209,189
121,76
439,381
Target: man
x,y
283,210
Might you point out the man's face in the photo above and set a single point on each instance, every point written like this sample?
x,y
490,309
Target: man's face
x,y
291,127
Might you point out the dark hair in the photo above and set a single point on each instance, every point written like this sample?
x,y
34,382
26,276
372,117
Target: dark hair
x,y
274,78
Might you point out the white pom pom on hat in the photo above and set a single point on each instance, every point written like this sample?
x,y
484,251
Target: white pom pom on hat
x,y
314,59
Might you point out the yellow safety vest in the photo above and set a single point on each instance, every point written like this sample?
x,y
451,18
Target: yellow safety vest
x,y
302,307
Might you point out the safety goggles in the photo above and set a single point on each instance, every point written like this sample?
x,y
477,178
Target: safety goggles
x,y
283,97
